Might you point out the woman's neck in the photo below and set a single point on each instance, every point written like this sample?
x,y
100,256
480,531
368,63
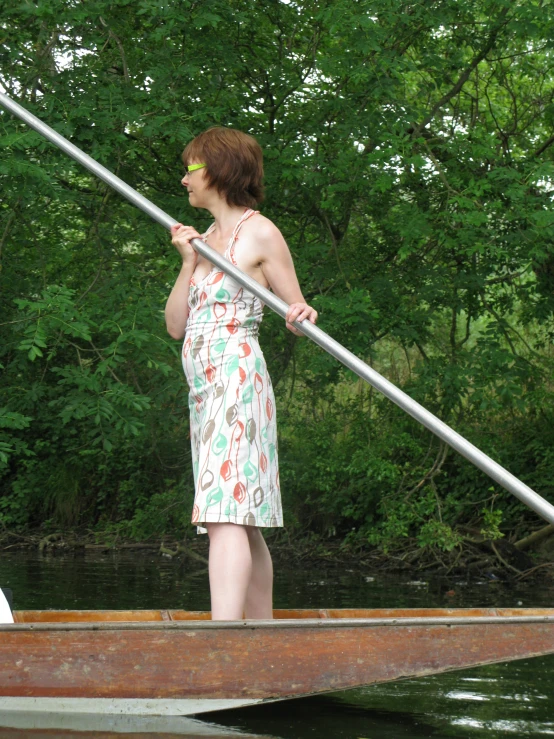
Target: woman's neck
x,y
225,216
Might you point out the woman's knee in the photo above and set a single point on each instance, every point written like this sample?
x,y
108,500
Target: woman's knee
x,y
224,530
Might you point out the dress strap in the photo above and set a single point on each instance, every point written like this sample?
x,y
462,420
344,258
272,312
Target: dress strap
x,y
234,237
192,281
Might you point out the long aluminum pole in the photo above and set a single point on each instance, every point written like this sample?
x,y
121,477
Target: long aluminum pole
x,y
417,411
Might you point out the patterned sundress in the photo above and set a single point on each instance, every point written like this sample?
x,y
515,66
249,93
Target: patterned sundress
x,y
232,406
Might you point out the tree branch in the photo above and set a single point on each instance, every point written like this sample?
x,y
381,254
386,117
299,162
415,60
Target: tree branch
x,y
544,147
416,130
112,35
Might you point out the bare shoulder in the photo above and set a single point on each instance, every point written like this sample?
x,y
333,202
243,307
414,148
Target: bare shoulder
x,y
261,227
263,234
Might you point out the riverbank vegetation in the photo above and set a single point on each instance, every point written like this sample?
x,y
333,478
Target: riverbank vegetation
x,y
409,152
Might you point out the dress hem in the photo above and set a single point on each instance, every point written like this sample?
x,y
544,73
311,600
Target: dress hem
x,y
217,519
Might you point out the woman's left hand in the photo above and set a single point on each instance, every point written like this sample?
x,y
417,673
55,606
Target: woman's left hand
x,y
299,312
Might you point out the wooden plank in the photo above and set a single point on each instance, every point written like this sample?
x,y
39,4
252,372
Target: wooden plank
x,y
436,612
249,661
21,617
78,616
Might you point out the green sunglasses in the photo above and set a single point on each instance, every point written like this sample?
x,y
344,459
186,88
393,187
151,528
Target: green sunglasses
x,y
194,167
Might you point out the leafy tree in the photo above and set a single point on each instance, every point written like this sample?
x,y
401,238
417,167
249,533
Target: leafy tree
x,y
409,163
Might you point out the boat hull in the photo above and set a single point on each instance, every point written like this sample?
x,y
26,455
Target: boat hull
x,y
194,665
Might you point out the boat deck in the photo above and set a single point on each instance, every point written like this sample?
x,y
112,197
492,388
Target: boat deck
x,y
347,614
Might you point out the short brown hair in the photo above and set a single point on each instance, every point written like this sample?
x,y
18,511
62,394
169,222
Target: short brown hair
x,y
234,164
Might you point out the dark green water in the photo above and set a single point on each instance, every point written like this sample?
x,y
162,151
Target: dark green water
x,y
507,700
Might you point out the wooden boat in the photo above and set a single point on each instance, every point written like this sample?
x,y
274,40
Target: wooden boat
x,y
181,663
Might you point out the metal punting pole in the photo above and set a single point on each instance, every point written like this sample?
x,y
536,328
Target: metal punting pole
x,y
414,409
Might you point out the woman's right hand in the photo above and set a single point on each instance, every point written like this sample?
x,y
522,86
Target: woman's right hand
x,y
181,237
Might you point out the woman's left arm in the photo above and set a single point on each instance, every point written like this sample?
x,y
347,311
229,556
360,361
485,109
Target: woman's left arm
x,y
278,268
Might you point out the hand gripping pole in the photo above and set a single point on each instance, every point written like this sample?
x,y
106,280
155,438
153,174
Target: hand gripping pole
x,y
410,406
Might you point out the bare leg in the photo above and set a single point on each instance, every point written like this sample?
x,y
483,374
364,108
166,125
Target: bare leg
x,y
259,596
230,570
241,573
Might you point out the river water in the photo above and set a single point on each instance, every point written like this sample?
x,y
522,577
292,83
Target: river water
x,y
507,700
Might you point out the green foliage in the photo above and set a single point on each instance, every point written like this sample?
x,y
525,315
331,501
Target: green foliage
x,y
10,443
435,533
409,164
491,524
166,511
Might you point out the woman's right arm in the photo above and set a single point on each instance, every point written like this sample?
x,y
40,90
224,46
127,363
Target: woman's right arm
x,y
177,306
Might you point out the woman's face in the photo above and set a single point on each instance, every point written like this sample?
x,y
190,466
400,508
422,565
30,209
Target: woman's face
x,y
196,185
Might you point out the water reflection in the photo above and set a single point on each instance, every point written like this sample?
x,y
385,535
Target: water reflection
x,y
19,725
124,580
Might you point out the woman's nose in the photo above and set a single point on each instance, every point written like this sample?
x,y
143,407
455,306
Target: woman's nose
x,y
184,180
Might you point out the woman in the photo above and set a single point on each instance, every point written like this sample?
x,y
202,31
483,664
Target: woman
x,y
232,408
